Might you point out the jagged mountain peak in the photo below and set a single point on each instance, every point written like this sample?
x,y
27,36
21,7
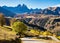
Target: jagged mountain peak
x,y
52,8
24,5
19,5
21,9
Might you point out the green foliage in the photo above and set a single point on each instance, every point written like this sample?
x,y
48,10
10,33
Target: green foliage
x,y
46,33
19,27
58,37
32,32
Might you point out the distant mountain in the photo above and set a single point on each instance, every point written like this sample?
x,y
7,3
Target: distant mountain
x,y
23,9
20,9
6,12
52,10
17,9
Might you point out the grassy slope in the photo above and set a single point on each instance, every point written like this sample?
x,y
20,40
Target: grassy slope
x,y
6,33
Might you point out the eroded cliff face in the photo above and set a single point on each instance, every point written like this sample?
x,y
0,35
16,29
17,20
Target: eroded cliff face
x,y
43,22
50,23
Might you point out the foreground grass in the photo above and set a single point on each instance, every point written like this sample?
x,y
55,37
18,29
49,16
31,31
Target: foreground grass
x,y
6,34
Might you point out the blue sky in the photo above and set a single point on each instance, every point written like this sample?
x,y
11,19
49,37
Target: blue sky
x,y
31,3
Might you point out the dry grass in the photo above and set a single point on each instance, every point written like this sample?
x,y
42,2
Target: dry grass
x,y
5,34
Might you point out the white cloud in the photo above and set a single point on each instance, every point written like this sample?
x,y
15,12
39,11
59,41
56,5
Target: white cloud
x,y
58,5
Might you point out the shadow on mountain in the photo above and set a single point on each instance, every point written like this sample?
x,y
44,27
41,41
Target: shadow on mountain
x,y
34,26
6,12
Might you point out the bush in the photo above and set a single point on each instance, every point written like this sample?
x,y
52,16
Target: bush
x,y
19,27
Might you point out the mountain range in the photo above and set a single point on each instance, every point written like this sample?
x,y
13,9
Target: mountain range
x,y
23,9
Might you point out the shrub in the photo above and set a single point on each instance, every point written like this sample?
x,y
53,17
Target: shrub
x,y
19,27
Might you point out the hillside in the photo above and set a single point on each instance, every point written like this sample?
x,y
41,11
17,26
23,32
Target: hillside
x,y
43,22
38,30
6,34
